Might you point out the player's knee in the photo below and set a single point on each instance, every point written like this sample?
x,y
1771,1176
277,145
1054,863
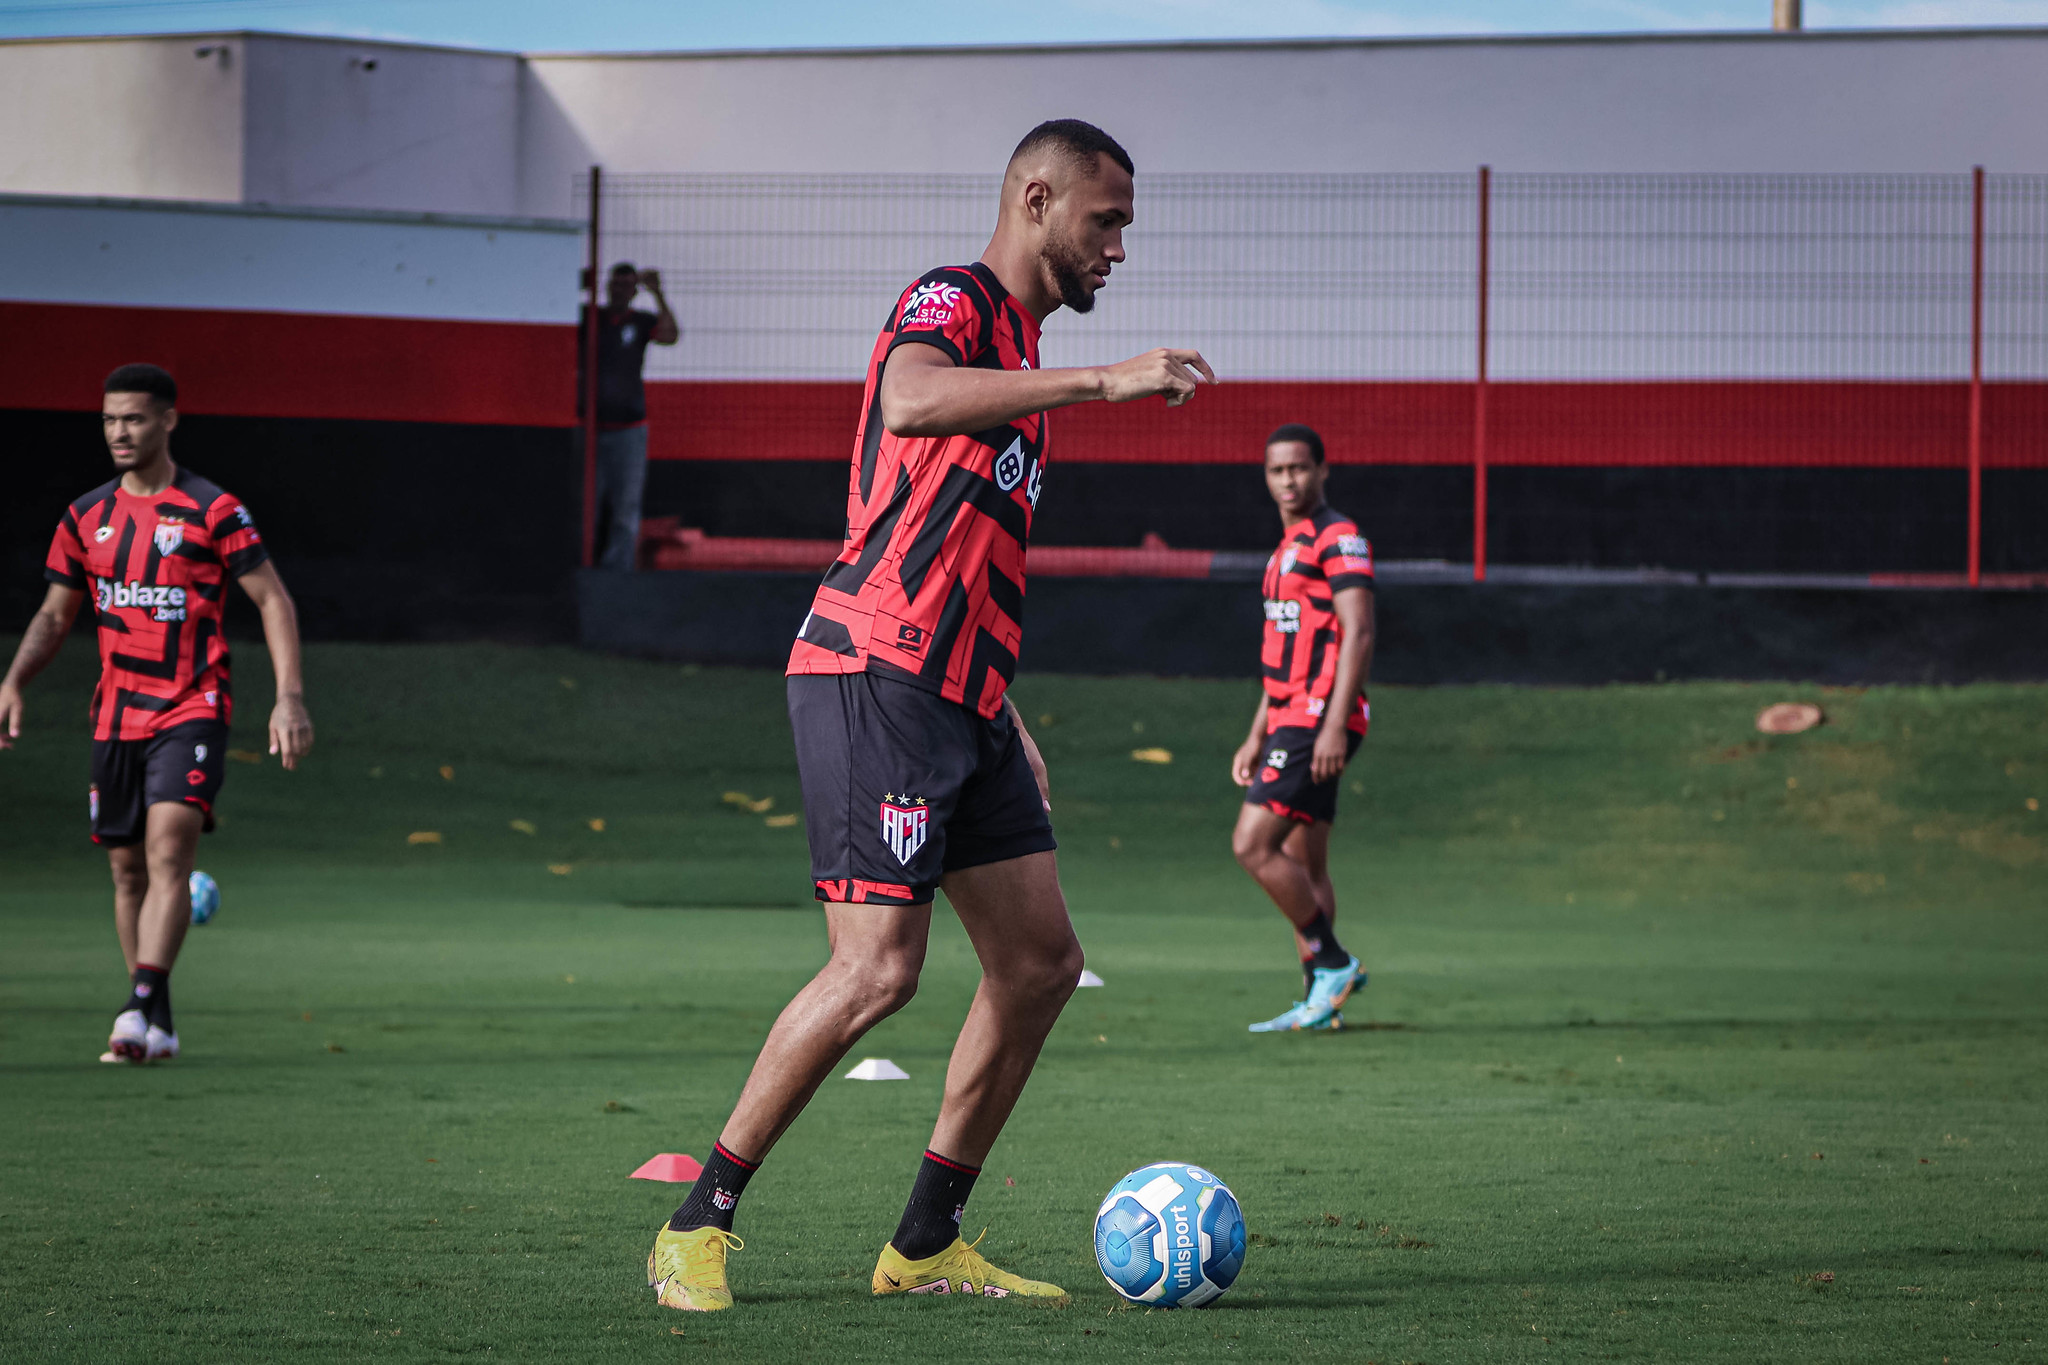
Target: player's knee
x,y
1051,975
131,878
1251,850
881,988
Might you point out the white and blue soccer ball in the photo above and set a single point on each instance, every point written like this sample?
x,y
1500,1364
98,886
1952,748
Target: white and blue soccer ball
x,y
1170,1236
205,897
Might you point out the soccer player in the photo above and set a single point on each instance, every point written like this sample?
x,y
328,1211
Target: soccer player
x,y
155,547
1312,715
917,772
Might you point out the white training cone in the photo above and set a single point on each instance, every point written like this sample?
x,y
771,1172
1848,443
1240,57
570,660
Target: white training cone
x,y
1089,978
878,1069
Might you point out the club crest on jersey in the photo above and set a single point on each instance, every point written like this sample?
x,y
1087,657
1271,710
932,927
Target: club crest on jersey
x,y
930,305
1288,560
169,536
906,821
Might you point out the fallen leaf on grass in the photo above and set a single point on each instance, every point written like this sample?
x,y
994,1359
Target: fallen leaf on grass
x,y
1788,718
597,825
1152,755
748,803
447,773
245,756
524,826
780,821
424,836
561,869
336,1047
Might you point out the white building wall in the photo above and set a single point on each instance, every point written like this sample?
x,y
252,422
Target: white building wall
x,y
1897,101
381,125
147,117
155,255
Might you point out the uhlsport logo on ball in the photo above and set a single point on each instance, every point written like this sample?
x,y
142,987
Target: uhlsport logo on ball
x,y
1170,1236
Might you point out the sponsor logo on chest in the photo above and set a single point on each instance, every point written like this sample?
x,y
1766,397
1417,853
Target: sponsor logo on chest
x,y
1283,615
1010,470
166,602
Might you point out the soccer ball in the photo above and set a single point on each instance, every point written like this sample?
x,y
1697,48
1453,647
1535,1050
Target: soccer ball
x,y
205,897
1170,1236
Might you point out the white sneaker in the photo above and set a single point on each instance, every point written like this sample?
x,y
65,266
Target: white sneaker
x,y
130,1038
163,1047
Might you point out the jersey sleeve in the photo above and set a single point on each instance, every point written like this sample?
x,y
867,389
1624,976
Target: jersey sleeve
x,y
65,565
1345,557
945,309
235,539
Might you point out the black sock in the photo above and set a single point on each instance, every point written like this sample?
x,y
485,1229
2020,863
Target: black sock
x,y
931,1220
1308,976
716,1192
150,992
1322,942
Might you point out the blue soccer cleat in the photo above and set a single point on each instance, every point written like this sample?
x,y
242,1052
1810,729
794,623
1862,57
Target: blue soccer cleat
x,y
205,897
1331,987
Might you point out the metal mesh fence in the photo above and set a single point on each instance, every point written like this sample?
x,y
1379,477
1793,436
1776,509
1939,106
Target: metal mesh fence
x,y
1634,321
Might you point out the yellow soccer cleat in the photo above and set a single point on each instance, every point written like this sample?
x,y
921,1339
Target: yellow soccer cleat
x,y
687,1269
959,1269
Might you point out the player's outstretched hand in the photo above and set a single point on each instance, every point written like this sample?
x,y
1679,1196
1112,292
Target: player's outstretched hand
x,y
10,716
291,731
1164,371
1244,760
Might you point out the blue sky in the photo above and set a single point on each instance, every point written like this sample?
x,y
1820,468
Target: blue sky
x,y
629,25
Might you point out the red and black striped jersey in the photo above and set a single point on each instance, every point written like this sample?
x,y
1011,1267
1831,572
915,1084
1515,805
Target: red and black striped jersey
x,y
929,588
1319,556
157,568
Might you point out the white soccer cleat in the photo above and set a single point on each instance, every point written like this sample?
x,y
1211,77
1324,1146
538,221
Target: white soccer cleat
x,y
130,1039
163,1047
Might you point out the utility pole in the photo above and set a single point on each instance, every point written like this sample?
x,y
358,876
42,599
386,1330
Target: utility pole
x,y
1785,16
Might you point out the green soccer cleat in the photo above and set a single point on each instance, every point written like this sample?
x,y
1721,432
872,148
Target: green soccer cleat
x,y
687,1269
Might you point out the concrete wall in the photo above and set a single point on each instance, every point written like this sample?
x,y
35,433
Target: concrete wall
x,y
1895,101
143,117
381,125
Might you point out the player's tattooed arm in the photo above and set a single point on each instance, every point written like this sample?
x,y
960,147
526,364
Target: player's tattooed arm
x,y
1247,756
925,394
1031,754
39,645
291,728
1354,661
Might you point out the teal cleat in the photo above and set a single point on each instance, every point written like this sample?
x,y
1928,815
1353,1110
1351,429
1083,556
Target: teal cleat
x,y
1294,1020
1333,986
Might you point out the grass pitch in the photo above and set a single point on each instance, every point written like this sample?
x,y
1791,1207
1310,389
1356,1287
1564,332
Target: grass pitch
x,y
1682,1044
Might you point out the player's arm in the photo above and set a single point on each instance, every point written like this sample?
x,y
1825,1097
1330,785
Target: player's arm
x,y
1247,756
667,331
1354,608
1031,754
291,729
39,644
925,394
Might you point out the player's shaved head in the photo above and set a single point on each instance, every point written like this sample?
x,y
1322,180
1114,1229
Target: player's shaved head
x,y
1075,142
1066,201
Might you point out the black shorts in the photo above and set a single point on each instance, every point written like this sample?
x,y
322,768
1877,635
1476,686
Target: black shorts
x,y
902,786
1282,783
183,763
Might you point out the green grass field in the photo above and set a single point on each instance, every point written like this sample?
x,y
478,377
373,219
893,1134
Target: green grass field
x,y
1682,1044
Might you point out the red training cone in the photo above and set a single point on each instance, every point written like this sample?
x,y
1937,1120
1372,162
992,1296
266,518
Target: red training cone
x,y
674,1167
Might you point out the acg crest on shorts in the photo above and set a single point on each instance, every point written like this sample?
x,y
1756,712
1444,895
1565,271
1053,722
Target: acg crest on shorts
x,y
905,822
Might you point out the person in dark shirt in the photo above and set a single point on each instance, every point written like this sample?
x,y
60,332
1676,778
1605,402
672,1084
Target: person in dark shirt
x,y
623,332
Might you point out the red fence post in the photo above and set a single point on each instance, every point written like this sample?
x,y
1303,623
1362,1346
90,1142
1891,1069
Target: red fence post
x,y
589,340
1479,388
1976,374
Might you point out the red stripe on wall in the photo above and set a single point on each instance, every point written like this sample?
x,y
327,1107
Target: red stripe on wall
x,y
1685,423
54,357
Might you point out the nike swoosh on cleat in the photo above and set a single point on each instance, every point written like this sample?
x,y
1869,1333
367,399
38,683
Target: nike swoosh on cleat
x,y
894,1283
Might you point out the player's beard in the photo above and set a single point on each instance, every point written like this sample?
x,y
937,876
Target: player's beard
x,y
1069,271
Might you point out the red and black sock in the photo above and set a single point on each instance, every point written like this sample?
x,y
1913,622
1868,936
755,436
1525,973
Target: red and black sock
x,y
1322,943
931,1220
716,1193
149,991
